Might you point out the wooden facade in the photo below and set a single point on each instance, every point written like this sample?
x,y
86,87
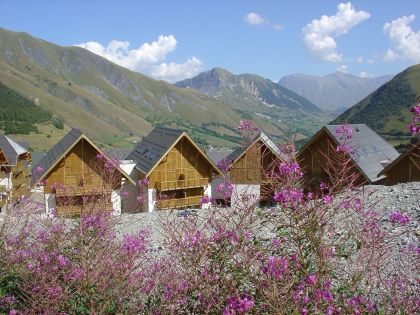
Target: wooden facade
x,y
78,181
313,160
247,169
182,176
406,168
15,173
357,146
254,166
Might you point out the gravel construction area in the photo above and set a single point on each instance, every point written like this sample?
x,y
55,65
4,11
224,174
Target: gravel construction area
x,y
404,198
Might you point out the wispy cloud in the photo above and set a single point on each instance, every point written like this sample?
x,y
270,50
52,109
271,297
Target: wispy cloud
x,y
255,19
342,68
404,39
148,58
319,35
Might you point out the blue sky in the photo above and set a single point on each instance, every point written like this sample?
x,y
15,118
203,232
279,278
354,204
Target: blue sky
x,y
172,40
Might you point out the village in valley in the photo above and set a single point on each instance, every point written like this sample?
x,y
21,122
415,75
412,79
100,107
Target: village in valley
x,y
168,170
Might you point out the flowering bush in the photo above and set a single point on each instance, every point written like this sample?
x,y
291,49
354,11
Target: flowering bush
x,y
322,252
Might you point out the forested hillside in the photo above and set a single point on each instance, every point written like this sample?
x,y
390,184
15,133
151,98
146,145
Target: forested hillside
x,y
18,115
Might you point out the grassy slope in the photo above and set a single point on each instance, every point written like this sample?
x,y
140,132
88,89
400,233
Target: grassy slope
x,y
104,100
387,109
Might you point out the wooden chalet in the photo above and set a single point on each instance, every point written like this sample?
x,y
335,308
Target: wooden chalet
x,y
370,153
176,172
250,168
76,177
15,175
405,168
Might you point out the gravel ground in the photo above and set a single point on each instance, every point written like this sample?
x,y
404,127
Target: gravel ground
x,y
404,198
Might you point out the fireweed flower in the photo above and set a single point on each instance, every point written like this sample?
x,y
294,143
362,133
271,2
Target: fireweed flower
x,y
397,217
238,305
289,197
327,199
247,125
205,200
223,165
344,132
276,267
290,170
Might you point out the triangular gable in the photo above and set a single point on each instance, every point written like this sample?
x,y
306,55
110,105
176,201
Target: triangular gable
x,y
368,163
59,151
265,139
399,158
11,149
194,145
153,148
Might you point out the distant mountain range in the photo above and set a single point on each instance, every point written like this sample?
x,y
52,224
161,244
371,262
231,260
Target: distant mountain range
x,y
115,105
334,92
246,91
387,110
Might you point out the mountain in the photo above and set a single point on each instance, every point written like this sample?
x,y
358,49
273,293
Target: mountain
x,y
250,93
115,106
246,91
334,92
387,110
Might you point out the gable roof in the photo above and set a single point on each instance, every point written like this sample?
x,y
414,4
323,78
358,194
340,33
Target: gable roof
x,y
11,149
59,150
217,155
370,149
261,136
149,152
398,159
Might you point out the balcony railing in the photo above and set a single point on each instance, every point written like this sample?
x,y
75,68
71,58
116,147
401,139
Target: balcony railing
x,y
178,202
76,210
81,190
182,184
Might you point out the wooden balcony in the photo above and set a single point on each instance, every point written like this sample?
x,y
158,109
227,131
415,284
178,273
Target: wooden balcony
x,y
81,190
182,184
21,180
178,202
77,210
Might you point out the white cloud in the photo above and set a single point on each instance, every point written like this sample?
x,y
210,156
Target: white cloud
x,y
319,35
146,58
364,74
359,59
404,39
255,19
175,72
390,56
342,68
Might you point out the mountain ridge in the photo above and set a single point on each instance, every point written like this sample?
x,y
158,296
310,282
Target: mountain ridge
x,y
334,91
387,109
115,105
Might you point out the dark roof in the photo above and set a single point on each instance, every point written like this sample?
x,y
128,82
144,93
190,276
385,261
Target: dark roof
x,y
370,149
119,153
11,149
260,136
217,155
37,156
395,162
54,154
52,157
153,147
